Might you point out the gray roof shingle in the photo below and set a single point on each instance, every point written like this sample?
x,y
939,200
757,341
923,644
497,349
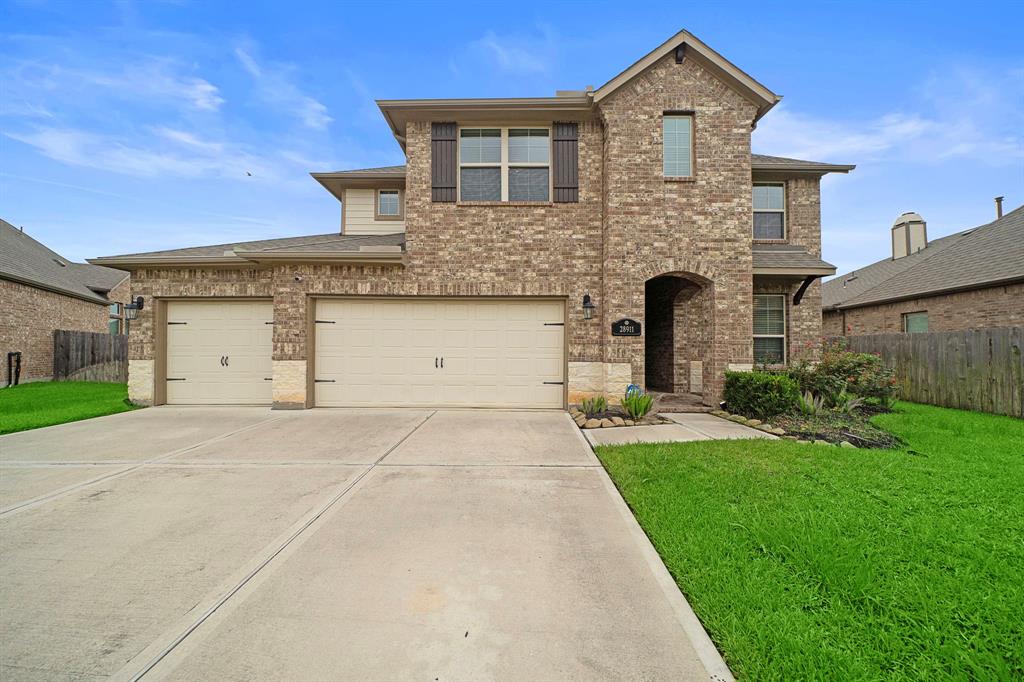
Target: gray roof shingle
x,y
978,257
25,260
315,242
786,256
758,161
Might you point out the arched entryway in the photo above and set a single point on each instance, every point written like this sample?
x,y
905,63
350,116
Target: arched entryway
x,y
679,311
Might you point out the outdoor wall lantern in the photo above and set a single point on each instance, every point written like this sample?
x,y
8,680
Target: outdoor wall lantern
x,y
588,307
131,310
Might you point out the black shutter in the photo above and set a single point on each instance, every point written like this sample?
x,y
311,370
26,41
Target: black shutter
x,y
566,162
442,161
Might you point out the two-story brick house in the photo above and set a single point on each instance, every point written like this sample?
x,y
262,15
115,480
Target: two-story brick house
x,y
491,269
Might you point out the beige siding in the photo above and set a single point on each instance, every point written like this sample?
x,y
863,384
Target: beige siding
x,y
357,216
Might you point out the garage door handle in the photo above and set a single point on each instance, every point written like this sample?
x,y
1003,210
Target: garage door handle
x,y
435,363
555,383
175,379
442,363
323,381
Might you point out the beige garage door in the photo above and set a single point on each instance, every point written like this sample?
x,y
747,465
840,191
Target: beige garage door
x,y
444,352
219,353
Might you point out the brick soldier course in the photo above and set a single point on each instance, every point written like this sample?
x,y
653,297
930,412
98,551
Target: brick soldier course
x,y
690,238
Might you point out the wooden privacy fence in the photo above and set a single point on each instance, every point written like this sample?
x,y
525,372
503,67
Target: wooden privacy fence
x,y
974,369
89,356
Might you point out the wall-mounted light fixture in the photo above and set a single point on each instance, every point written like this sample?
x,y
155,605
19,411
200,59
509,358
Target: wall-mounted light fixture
x,y
131,310
588,307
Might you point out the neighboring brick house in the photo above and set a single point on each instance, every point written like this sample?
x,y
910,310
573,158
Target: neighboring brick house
x,y
968,280
491,269
41,291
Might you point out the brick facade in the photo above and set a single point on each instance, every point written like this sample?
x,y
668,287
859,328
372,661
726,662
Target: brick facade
x,y
31,315
629,226
1000,306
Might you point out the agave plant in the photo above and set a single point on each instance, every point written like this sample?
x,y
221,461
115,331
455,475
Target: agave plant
x,y
636,403
810,404
593,406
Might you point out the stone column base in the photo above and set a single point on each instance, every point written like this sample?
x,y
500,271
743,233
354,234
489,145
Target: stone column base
x,y
140,381
590,379
289,384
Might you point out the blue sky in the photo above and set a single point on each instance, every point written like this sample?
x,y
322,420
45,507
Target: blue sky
x,y
133,126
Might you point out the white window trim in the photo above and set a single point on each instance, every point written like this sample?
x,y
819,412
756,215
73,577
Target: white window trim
x,y
378,215
504,164
785,327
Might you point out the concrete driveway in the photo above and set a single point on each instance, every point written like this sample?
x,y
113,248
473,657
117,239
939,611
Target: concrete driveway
x,y
240,543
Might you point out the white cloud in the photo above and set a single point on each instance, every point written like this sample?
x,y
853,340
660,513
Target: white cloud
x,y
517,54
965,114
274,86
187,157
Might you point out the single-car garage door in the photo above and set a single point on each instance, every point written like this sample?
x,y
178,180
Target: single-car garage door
x,y
219,352
440,352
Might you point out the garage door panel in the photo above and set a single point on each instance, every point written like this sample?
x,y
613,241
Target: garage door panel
x,y
385,351
204,333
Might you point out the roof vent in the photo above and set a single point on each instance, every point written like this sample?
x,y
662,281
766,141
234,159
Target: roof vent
x,y
59,262
909,235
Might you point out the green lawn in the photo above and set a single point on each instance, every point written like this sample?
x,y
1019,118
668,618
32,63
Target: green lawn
x,y
808,561
44,403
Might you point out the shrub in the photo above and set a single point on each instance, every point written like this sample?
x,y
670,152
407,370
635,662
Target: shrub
x,y
636,403
862,374
593,406
760,394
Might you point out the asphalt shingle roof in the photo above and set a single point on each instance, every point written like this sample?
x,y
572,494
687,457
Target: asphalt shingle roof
x,y
23,259
755,160
984,255
314,242
786,256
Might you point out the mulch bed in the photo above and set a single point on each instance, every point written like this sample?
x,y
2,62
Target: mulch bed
x,y
836,427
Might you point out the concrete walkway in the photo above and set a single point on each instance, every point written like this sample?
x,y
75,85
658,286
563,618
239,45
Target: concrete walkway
x,y
687,427
240,543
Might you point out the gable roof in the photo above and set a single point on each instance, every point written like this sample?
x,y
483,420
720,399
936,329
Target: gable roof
x,y
315,247
732,75
983,256
25,260
758,162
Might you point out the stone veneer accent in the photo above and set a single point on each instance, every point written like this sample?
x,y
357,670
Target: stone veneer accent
x,y
1001,306
140,381
630,225
289,384
30,315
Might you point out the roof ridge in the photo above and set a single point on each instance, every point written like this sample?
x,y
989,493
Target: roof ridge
x,y
338,237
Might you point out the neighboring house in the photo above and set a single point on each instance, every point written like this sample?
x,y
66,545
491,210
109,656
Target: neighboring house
x,y
41,291
530,252
968,280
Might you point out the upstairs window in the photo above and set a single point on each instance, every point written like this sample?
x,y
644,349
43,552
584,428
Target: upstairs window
x,y
389,204
769,329
769,211
504,164
677,139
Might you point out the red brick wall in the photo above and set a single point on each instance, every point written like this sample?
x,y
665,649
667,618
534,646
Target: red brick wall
x,y
27,322
1001,306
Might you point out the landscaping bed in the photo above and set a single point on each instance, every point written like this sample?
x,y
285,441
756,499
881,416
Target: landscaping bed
x,y
45,403
805,561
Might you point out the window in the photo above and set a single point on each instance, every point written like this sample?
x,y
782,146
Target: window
x,y
769,329
116,324
389,205
770,211
915,322
504,164
677,138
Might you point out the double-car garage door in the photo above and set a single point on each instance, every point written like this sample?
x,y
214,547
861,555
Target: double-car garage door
x,y
377,352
